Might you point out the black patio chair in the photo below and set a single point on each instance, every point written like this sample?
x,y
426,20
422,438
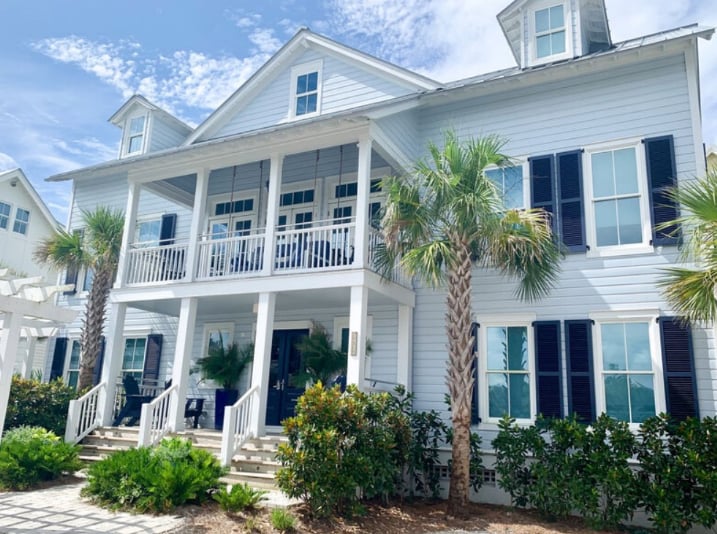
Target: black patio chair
x,y
134,400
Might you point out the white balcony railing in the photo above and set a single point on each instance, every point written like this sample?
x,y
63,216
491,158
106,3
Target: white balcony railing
x,y
230,256
83,415
325,244
150,263
398,273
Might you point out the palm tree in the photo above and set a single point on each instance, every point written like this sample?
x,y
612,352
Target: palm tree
x,y
97,250
443,220
691,292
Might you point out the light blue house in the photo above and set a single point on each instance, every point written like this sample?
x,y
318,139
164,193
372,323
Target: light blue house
x,y
264,219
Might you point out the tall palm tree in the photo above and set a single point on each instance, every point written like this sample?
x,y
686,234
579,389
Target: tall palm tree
x,y
691,291
96,249
442,221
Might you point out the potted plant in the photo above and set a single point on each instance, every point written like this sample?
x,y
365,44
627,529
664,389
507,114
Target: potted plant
x,y
321,361
224,365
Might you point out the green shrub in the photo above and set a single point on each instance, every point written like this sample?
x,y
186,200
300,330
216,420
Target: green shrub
x,y
340,443
678,478
282,520
29,455
154,479
33,403
241,497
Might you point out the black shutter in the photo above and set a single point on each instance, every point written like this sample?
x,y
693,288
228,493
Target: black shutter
x,y
58,358
542,186
547,356
662,176
679,370
570,195
475,419
97,373
152,357
166,232
581,389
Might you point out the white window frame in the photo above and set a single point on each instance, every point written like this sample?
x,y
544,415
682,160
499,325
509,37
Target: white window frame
x,y
299,70
7,227
649,316
230,218
127,136
645,246
68,356
568,28
521,162
499,320
134,335
213,327
25,223
155,217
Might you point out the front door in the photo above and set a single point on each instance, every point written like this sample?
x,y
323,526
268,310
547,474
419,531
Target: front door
x,y
286,366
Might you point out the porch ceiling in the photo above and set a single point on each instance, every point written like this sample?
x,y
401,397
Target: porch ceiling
x,y
338,297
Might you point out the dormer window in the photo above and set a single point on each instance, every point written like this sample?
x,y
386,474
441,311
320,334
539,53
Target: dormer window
x,y
306,89
136,134
550,32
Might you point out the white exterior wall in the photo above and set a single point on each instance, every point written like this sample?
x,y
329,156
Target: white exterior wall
x,y
641,101
345,85
16,249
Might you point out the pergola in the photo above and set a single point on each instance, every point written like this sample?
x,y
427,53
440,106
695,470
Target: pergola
x,y
25,310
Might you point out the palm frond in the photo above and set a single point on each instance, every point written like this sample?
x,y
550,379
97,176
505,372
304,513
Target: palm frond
x,y
103,234
61,250
691,292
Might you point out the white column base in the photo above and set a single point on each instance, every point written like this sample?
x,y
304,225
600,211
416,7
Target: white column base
x,y
262,358
182,359
112,364
358,330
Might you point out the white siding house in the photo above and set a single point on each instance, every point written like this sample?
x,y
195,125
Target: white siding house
x,y
263,220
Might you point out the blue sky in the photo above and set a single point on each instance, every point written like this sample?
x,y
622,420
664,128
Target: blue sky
x,y
67,65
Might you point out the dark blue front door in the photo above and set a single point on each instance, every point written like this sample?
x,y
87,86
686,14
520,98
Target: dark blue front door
x,y
286,364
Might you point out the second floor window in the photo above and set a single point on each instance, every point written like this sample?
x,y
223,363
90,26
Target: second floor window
x,y
22,219
509,181
550,31
4,215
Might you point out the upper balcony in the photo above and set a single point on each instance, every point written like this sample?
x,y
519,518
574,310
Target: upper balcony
x,y
325,206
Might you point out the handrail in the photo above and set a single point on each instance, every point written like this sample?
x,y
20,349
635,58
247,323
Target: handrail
x,y
155,418
83,415
237,419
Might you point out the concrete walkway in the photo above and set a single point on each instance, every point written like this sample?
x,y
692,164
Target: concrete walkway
x,y
61,509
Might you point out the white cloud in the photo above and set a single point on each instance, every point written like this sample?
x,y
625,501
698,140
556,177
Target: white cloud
x,y
265,41
7,163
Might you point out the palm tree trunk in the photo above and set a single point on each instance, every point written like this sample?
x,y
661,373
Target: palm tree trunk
x,y
460,378
93,323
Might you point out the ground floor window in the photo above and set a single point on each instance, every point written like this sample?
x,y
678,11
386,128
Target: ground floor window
x,y
628,381
508,371
133,358
73,366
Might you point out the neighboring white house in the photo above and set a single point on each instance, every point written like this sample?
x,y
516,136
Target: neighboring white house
x,y
264,219
25,220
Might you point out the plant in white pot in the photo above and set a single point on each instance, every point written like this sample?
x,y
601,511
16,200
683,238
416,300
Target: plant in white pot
x,y
224,365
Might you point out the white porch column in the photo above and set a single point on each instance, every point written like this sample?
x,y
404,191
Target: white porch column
x,y
358,330
404,365
26,367
272,206
262,358
195,230
130,220
112,363
182,359
12,323
362,196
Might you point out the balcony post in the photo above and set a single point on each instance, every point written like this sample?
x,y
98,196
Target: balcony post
x,y
112,363
195,229
272,207
130,221
404,365
362,197
358,330
262,359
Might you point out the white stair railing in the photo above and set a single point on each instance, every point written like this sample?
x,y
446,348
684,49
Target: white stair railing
x,y
155,418
237,419
83,415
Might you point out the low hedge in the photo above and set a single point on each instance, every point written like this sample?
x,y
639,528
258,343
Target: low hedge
x,y
34,403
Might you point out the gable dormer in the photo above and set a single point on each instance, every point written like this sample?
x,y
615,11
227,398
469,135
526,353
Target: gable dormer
x,y
147,128
545,31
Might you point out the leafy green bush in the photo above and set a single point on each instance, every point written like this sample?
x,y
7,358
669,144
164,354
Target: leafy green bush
x,y
678,478
339,443
282,520
241,497
154,480
33,403
29,455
